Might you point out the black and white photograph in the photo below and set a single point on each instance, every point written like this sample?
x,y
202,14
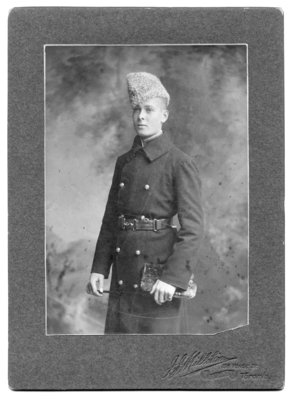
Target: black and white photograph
x,y
146,198
146,189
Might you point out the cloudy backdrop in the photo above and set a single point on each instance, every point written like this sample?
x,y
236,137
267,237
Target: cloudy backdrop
x,y
88,124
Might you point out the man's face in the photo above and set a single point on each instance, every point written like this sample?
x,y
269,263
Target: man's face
x,y
149,116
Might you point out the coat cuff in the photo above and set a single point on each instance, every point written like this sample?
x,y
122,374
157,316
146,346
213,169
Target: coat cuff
x,y
99,269
178,284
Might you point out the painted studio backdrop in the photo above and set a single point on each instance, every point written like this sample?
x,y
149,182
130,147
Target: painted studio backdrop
x,y
88,125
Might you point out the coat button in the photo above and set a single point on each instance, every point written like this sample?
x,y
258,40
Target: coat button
x,y
118,249
146,187
135,286
122,184
120,282
138,252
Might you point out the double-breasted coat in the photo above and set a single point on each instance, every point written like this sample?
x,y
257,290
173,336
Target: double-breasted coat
x,y
154,181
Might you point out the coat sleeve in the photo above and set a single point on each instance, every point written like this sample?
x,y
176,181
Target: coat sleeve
x,y
182,262
105,245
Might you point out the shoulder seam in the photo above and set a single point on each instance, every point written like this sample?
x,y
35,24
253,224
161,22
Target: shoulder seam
x,y
189,161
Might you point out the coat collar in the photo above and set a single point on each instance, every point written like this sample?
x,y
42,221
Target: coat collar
x,y
154,148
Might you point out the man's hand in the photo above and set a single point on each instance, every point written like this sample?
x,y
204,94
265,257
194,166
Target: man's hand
x,y
162,292
96,282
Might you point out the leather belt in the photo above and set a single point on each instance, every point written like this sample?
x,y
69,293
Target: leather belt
x,y
143,223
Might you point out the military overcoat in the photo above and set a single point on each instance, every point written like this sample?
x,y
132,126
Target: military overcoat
x,y
157,180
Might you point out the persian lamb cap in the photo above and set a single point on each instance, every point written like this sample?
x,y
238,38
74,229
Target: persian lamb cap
x,y
143,86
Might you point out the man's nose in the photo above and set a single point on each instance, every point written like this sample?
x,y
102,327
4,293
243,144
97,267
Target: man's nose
x,y
141,114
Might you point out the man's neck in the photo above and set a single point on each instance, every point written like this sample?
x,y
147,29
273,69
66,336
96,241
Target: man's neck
x,y
148,139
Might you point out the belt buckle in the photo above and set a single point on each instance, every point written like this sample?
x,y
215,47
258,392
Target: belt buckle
x,y
155,229
127,225
130,225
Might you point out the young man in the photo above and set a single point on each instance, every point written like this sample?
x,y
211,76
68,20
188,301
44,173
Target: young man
x,y
152,183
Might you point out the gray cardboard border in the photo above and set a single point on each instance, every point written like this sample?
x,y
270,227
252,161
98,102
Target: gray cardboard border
x,y
37,361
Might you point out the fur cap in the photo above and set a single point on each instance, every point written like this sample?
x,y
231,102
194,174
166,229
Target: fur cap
x,y
143,86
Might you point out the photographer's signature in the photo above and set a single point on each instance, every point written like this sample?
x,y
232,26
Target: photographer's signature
x,y
213,365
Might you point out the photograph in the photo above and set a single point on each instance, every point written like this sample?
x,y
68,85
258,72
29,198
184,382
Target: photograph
x,y
146,151
146,244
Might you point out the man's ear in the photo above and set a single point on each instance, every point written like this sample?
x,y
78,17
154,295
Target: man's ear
x,y
165,114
